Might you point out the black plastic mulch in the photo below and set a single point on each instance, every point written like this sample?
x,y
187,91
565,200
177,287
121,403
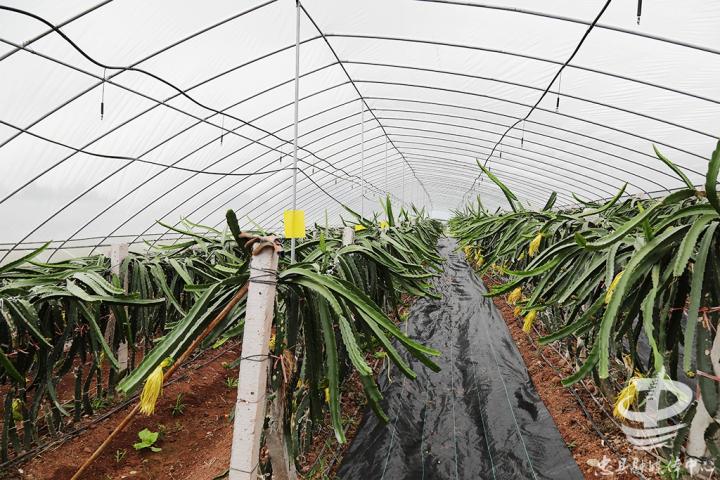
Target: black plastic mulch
x,y
479,418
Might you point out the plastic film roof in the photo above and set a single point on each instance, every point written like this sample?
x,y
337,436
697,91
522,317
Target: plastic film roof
x,y
440,82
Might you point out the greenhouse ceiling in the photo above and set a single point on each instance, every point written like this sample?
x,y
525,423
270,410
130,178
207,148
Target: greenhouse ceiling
x,y
117,114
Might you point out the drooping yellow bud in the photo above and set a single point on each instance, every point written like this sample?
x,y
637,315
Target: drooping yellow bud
x,y
517,311
271,343
359,227
327,395
17,409
480,261
534,247
626,397
613,286
153,388
514,296
529,320
384,224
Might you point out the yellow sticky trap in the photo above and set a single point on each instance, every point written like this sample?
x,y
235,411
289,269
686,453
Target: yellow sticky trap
x,y
384,224
294,223
359,227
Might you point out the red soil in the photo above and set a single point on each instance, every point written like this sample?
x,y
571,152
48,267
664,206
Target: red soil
x,y
195,444
577,430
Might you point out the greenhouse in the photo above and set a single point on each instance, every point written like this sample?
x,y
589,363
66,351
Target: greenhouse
x,y
316,239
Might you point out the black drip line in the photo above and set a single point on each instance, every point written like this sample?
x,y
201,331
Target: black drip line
x,y
140,160
160,79
547,89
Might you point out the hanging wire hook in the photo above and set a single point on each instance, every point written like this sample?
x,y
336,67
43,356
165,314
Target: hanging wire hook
x,y
639,11
222,129
557,102
102,96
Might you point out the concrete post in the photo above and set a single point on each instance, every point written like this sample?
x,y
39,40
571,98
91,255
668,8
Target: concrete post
x,y
252,381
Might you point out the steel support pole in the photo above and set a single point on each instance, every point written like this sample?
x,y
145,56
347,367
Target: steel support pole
x,y
297,102
362,158
386,165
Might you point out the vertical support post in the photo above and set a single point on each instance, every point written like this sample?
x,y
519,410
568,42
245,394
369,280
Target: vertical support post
x,y
348,236
295,136
252,379
362,157
386,177
403,183
117,254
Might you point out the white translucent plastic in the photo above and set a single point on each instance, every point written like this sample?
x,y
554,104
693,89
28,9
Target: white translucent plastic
x,y
442,80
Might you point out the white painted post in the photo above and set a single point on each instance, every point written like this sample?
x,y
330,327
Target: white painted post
x,y
348,236
696,447
117,254
252,379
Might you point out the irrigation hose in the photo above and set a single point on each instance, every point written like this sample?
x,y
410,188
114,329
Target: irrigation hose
x,y
211,326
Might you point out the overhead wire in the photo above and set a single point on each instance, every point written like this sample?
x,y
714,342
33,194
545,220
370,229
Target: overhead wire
x,y
547,89
150,74
158,78
136,159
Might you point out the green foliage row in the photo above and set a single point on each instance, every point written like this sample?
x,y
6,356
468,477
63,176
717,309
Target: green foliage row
x,y
331,311
604,274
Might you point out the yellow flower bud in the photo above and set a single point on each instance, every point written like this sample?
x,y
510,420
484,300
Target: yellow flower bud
x,y
153,388
327,395
626,397
534,247
613,286
529,320
17,409
517,311
514,296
